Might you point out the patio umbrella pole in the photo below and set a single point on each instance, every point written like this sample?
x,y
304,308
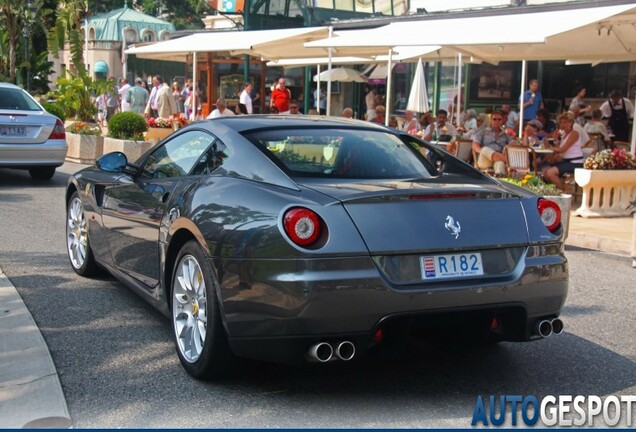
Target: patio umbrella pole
x,y
523,87
459,90
634,131
195,99
388,88
318,88
329,76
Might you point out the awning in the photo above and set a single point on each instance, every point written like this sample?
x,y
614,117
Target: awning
x,y
101,67
269,44
605,32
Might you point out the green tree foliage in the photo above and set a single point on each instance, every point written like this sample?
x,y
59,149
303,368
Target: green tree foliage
x,y
68,28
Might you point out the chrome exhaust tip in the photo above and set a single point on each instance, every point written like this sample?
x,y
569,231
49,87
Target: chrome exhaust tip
x,y
543,328
346,350
557,326
322,352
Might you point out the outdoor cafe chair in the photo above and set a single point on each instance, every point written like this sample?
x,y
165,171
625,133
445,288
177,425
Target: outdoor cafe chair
x,y
519,158
463,150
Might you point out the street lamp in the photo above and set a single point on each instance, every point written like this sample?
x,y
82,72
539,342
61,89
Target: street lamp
x,y
30,16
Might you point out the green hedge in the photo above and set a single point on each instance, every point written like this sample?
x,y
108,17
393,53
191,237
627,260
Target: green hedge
x,y
55,110
127,125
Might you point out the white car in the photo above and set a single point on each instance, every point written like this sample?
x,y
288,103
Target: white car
x,y
30,137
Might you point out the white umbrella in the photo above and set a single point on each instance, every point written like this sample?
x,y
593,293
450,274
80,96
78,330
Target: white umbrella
x,y
418,98
341,74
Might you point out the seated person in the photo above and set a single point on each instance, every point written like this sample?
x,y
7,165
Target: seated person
x,y
440,130
567,155
221,110
411,124
529,138
489,144
347,113
379,115
597,126
294,108
550,129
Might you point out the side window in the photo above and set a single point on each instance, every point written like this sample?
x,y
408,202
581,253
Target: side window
x,y
212,160
177,156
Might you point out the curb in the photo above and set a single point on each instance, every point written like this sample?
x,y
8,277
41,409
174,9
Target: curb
x,y
30,390
602,244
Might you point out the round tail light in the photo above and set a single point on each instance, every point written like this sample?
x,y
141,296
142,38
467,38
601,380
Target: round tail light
x,y
550,214
302,225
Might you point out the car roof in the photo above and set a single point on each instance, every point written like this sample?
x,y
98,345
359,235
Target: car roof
x,y
9,85
244,123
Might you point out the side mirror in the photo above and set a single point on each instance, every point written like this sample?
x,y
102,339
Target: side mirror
x,y
112,162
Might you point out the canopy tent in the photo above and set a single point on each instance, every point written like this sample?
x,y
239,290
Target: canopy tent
x,y
269,44
579,34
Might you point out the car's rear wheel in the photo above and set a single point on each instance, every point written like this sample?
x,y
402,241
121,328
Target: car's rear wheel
x,y
42,173
198,329
78,246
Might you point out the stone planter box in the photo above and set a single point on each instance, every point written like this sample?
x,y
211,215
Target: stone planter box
x,y
606,193
84,148
154,135
132,149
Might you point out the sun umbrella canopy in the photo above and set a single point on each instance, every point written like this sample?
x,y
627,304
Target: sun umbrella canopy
x,y
418,98
341,74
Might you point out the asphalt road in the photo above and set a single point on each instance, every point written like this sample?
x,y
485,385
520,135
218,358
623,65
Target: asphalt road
x,y
118,367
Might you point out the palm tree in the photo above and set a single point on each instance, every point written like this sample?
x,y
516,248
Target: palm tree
x,y
12,15
68,28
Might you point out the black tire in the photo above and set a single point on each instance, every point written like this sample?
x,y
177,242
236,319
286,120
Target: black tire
x,y
42,173
215,359
87,266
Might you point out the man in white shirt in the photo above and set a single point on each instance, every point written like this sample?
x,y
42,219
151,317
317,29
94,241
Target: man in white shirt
x,y
246,100
221,110
618,110
123,91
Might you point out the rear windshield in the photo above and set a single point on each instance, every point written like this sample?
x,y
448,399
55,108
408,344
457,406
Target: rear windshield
x,y
16,99
341,153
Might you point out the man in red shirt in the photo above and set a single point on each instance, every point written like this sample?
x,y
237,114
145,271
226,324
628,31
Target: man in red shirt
x,y
280,97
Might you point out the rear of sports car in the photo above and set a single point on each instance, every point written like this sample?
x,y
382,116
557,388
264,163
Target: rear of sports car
x,y
394,248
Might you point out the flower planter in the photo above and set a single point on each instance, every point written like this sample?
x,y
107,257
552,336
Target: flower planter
x,y
606,193
84,148
132,149
155,135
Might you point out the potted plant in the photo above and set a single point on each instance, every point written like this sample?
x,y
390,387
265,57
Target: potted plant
x,y
608,180
160,128
537,186
85,142
126,134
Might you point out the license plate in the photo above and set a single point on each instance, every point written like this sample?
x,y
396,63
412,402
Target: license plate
x,y
451,266
12,131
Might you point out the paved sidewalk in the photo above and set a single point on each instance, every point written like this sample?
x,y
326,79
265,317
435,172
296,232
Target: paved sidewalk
x,y
30,391
613,235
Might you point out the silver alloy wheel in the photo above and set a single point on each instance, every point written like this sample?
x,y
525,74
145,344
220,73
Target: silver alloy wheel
x,y
76,233
189,308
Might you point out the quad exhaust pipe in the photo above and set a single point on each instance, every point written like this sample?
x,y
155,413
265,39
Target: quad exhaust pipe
x,y
545,328
323,352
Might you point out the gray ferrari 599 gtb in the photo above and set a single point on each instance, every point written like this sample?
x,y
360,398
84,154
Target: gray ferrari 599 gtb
x,y
317,239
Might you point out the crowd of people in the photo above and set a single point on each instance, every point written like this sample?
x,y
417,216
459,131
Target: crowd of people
x,y
491,131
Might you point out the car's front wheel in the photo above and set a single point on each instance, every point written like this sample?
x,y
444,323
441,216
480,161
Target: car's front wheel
x,y
42,173
198,329
78,247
